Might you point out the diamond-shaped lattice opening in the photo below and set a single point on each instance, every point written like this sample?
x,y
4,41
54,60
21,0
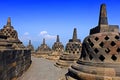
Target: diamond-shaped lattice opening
x,y
73,52
107,50
101,57
113,43
117,37
91,44
96,50
114,58
96,38
118,49
89,40
101,44
90,56
106,38
7,30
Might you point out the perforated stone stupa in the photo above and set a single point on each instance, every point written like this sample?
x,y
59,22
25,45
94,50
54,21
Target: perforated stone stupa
x,y
30,46
74,45
12,35
100,57
15,59
58,46
43,50
73,51
57,50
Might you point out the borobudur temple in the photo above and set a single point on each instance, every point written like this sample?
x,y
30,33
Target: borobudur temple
x,y
72,52
31,47
15,59
43,50
100,56
57,50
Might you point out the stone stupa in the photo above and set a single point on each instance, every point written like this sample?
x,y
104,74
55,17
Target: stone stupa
x,y
72,52
100,57
12,35
58,46
31,47
57,50
43,50
15,58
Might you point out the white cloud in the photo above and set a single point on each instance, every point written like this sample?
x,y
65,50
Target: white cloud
x,y
45,35
25,37
43,32
26,33
50,36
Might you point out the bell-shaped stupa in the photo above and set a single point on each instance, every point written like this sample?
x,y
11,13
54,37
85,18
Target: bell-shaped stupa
x,y
100,56
72,52
43,50
57,49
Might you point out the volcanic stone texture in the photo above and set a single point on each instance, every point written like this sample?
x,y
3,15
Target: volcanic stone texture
x,y
15,59
100,56
72,54
43,50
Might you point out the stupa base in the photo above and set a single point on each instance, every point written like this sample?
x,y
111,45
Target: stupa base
x,y
94,71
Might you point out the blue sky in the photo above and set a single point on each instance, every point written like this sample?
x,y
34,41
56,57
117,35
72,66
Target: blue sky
x,y
38,19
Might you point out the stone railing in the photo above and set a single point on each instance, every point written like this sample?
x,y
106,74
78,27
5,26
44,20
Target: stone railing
x,y
13,63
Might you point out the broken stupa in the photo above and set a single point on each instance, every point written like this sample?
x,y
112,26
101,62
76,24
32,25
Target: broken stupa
x,y
43,50
57,50
100,56
72,52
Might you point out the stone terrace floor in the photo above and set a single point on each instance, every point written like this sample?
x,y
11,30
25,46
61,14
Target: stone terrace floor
x,y
43,69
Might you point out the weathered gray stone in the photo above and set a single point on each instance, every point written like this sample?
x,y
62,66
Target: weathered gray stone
x,y
31,47
58,46
15,58
103,23
100,58
57,50
43,50
73,51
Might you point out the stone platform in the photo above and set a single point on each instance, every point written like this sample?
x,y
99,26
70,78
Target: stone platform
x,y
43,69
